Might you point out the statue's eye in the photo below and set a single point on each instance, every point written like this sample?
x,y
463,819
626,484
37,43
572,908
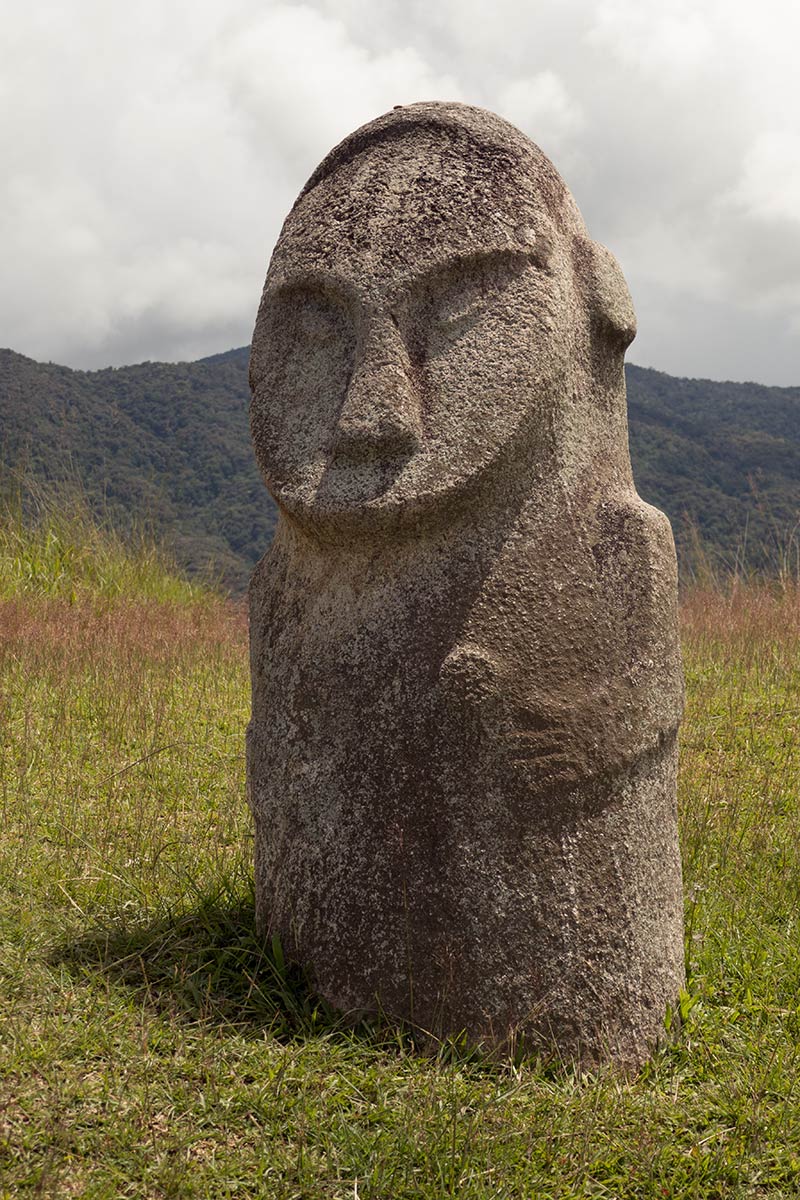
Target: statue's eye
x,y
454,301
309,330
318,319
458,311
445,310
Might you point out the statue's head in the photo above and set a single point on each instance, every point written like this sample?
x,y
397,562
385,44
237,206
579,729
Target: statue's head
x,y
432,311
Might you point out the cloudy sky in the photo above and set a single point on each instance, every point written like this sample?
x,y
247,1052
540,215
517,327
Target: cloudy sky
x,y
151,151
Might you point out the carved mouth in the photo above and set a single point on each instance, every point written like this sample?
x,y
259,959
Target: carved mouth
x,y
390,447
363,468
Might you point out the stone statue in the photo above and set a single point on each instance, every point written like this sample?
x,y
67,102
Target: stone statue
x,y
465,664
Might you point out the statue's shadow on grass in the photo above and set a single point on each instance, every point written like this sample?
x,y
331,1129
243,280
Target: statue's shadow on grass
x,y
208,966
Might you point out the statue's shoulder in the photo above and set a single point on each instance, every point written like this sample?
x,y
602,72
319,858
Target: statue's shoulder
x,y
631,535
269,599
637,578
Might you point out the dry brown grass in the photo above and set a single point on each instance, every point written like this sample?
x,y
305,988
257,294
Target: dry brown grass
x,y
128,631
746,619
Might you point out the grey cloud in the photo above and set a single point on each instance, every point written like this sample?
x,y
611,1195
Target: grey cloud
x,y
150,155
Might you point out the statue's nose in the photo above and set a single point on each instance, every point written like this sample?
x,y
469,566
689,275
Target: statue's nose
x,y
380,416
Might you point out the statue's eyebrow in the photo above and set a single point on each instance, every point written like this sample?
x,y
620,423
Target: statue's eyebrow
x,y
463,263
315,279
323,281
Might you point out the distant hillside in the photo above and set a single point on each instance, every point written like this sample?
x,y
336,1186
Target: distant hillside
x,y
163,443
169,443
722,459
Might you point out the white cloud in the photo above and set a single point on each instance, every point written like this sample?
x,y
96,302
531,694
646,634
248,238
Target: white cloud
x,y
299,79
769,185
670,41
150,153
542,102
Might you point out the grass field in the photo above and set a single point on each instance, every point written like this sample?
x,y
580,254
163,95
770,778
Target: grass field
x,y
150,1048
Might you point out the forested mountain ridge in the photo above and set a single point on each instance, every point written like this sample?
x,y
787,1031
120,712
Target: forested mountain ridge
x,y
164,444
722,460
168,444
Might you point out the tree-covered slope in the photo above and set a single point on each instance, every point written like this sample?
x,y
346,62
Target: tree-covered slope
x,y
168,445
719,458
164,444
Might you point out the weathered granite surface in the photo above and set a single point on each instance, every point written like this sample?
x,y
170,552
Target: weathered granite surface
x,y
465,664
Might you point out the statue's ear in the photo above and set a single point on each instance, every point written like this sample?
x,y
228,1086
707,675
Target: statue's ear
x,y
607,294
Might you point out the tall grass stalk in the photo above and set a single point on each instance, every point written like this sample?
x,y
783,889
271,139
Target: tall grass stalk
x,y
52,546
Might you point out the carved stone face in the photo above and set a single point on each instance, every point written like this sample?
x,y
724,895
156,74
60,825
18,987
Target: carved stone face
x,y
405,339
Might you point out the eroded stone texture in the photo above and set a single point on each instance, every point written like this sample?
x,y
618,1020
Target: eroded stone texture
x,y
465,664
